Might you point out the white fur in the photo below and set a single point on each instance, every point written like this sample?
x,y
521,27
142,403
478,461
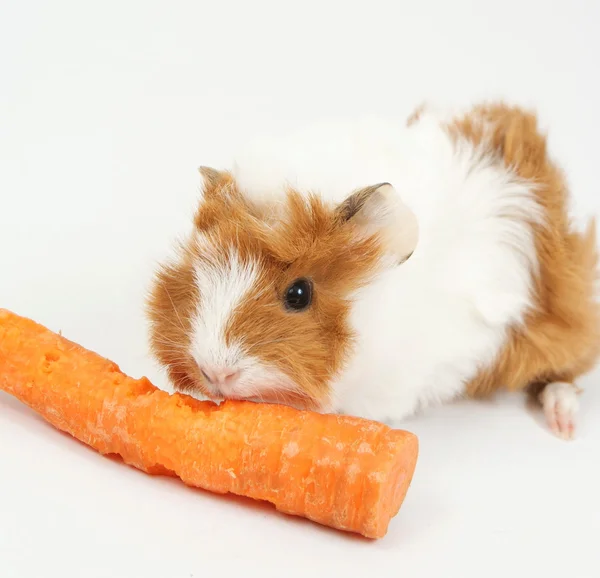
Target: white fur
x,y
224,282
331,158
425,328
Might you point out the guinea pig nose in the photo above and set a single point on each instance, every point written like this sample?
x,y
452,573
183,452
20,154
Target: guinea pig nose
x,y
220,376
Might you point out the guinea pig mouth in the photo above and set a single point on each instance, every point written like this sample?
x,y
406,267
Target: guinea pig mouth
x,y
202,388
274,397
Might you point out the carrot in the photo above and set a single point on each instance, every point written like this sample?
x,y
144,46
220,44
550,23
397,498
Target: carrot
x,y
340,471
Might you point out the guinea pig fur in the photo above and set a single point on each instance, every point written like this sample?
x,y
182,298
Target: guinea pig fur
x,y
375,268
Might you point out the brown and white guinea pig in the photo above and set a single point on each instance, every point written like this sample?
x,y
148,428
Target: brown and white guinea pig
x,y
376,268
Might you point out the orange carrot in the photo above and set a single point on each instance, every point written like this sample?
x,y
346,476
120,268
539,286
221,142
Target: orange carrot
x,y
343,472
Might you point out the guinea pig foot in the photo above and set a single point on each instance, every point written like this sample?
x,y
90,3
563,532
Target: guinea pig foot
x,y
560,404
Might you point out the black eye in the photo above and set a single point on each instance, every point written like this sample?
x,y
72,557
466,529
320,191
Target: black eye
x,y
298,295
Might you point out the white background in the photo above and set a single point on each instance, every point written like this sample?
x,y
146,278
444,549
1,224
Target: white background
x,y
106,110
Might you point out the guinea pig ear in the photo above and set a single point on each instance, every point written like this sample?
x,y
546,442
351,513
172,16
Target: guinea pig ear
x,y
379,210
213,179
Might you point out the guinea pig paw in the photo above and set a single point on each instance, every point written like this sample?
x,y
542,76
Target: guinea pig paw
x,y
560,404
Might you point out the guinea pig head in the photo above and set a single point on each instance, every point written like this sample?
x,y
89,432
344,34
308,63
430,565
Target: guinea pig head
x,y
256,303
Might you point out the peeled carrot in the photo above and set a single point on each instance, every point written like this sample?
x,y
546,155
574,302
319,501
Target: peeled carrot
x,y
340,471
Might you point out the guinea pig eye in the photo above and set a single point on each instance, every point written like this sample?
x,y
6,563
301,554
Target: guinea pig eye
x,y
298,295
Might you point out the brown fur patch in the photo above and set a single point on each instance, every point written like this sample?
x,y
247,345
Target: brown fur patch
x,y
561,337
416,115
171,303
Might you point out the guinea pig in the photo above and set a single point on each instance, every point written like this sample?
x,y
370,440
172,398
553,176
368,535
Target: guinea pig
x,y
377,268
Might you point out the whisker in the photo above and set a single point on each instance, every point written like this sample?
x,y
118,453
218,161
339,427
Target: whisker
x,y
174,308
167,341
174,344
169,318
270,342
